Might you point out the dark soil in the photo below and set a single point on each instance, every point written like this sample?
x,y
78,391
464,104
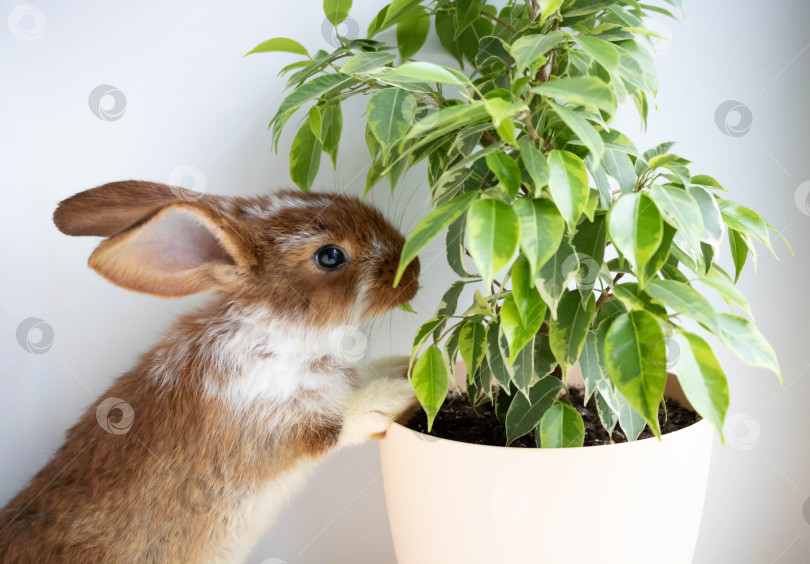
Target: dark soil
x,y
458,421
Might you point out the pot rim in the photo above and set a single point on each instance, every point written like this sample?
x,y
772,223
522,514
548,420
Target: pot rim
x,y
701,426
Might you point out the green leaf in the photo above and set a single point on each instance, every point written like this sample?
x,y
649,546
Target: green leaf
x,y
581,91
336,10
636,229
548,7
519,330
544,360
406,307
412,33
582,128
507,171
281,44
562,427
449,302
428,72
589,242
309,90
332,128
618,165
634,345
682,212
592,372
568,331
523,290
555,274
316,122
685,300
434,223
607,416
502,111
386,117
601,51
467,11
745,220
630,420
739,251
398,10
493,231
497,353
702,378
527,50
728,291
535,163
710,215
523,369
305,157
480,306
705,180
445,23
455,247
742,337
471,343
568,183
525,413
430,382
451,351
363,63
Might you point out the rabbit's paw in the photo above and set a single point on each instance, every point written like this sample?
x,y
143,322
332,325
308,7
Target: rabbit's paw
x,y
374,406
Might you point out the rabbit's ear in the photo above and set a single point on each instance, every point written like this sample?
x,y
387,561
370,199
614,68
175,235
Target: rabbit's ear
x,y
112,208
181,250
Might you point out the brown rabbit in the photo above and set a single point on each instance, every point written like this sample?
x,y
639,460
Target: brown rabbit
x,y
189,455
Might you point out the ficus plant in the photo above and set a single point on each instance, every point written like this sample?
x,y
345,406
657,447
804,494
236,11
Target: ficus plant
x,y
584,250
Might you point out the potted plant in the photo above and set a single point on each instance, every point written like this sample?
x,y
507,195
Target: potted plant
x,y
591,263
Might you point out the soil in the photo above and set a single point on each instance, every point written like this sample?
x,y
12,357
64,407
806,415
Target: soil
x,y
458,421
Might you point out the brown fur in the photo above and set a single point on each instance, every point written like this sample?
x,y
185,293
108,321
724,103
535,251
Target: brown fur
x,y
164,490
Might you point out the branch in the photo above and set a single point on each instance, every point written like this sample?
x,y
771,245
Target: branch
x,y
498,20
607,296
527,121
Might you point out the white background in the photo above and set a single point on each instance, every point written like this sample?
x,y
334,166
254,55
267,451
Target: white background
x,y
191,100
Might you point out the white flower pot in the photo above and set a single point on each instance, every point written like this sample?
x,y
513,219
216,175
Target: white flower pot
x,y
638,502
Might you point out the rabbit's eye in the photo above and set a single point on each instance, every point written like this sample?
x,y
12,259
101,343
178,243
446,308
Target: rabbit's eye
x,y
330,257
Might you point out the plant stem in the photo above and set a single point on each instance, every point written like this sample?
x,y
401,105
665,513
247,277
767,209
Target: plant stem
x,y
607,296
498,20
527,121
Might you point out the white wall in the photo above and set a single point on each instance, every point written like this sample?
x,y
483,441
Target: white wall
x,y
191,100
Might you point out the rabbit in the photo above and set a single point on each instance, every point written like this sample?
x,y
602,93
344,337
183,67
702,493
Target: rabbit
x,y
189,456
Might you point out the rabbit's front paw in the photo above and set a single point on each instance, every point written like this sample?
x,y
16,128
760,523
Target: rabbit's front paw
x,y
373,407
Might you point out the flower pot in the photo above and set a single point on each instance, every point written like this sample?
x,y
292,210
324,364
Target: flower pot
x,y
625,503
